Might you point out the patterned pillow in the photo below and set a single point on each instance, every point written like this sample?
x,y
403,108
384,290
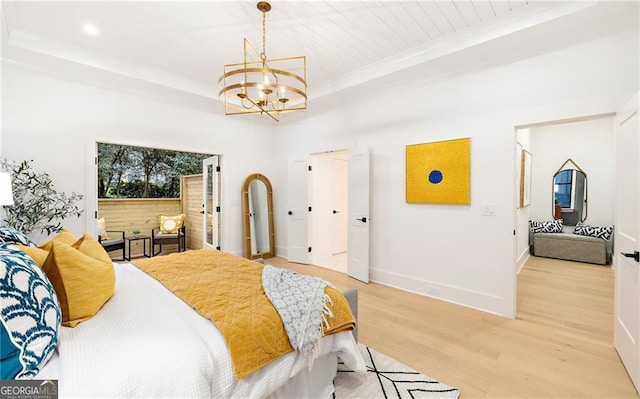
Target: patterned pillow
x,y
603,232
29,315
551,226
170,224
11,235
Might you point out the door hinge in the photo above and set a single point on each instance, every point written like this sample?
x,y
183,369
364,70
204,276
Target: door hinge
x,y
309,249
218,209
309,209
514,232
217,168
96,215
218,247
309,168
96,160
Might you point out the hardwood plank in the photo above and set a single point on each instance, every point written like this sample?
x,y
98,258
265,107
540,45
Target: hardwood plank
x,y
559,346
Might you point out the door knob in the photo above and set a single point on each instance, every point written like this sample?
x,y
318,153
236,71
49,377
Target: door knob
x,y
635,255
334,211
290,212
363,220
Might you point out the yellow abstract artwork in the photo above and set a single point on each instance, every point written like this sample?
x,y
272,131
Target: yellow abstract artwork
x,y
439,172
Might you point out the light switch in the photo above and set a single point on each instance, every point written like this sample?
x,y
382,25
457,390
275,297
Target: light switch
x,y
488,210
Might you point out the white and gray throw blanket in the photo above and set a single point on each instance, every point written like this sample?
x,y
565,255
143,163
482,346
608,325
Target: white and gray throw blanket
x,y
302,304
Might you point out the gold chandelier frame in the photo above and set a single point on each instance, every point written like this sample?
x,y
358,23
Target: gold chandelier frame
x,y
262,86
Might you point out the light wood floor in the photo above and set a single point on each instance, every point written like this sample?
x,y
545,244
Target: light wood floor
x,y
559,346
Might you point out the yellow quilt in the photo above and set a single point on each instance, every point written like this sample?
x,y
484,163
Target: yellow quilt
x,y
227,290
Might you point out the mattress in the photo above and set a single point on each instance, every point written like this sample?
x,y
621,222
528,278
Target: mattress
x,y
145,342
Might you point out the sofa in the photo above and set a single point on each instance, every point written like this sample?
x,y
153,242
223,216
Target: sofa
x,y
573,247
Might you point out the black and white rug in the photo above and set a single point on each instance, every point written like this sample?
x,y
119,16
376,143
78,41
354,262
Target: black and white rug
x,y
387,378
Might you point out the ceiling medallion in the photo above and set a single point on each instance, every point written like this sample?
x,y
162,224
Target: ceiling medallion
x,y
262,86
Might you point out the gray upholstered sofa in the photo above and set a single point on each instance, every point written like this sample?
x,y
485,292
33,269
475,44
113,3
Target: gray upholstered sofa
x,y
573,247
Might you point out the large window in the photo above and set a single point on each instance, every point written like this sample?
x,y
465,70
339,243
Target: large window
x,y
563,187
141,172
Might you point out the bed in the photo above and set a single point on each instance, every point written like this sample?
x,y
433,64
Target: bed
x,y
147,342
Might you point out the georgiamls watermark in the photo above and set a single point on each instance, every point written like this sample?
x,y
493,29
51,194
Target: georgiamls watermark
x,y
28,389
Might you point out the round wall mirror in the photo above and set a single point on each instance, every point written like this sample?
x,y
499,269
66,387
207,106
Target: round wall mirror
x,y
257,210
570,194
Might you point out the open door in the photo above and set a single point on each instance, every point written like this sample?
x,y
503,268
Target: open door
x,y
358,234
211,202
339,203
626,332
298,210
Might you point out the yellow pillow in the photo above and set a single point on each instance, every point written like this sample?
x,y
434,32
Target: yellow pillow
x,y
170,224
88,245
102,229
35,253
82,283
65,236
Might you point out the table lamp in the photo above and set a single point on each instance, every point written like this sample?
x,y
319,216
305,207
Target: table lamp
x,y
6,193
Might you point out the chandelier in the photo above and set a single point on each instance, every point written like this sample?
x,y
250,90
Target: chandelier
x,y
262,86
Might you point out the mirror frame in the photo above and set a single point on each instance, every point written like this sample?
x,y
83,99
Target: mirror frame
x,y
570,164
246,221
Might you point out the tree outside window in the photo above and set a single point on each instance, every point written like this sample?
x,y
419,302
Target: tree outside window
x,y
140,172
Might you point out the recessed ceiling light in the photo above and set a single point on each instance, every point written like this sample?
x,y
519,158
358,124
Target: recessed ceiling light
x,y
90,29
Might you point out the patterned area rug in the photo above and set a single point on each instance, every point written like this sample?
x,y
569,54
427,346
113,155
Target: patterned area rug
x,y
387,378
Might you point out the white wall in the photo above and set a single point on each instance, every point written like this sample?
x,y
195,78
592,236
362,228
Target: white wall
x,y
469,257
55,122
590,144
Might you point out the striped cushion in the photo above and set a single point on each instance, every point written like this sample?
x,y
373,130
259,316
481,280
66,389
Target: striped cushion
x,y
551,226
603,232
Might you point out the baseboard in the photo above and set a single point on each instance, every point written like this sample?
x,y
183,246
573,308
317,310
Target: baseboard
x,y
471,299
282,252
522,259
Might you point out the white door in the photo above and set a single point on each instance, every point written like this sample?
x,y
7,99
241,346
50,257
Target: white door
x,y
339,203
626,332
211,202
358,235
298,210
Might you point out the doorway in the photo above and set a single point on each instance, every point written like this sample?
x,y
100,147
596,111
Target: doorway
x,y
300,211
329,199
135,183
551,144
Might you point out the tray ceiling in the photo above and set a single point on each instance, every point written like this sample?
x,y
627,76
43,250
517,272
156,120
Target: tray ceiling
x,y
180,46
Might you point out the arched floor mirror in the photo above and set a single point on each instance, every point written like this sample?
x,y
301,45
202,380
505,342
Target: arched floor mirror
x,y
570,193
257,210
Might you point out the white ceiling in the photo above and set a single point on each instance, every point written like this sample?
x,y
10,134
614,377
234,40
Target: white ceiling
x,y
178,48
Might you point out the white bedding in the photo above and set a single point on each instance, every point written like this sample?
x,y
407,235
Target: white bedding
x,y
145,342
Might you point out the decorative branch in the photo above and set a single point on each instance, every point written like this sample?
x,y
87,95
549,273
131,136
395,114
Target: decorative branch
x,y
37,205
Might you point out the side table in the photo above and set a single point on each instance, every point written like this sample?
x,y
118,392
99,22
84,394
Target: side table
x,y
144,239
